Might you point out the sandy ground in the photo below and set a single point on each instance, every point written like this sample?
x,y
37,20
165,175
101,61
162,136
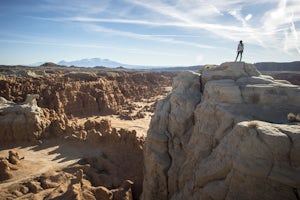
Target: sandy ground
x,y
54,155
51,155
139,125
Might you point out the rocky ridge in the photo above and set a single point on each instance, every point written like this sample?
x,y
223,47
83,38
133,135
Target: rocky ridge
x,y
230,141
83,92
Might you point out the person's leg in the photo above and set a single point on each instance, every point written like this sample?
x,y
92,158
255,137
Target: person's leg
x,y
241,56
237,55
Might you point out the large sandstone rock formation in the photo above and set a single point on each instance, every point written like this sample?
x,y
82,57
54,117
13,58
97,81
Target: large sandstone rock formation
x,y
26,121
231,141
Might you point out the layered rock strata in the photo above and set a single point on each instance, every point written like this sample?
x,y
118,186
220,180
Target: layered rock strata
x,y
231,141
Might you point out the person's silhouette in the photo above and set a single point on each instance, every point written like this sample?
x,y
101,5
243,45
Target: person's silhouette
x,y
240,50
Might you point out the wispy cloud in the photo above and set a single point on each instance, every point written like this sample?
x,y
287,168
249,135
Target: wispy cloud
x,y
97,19
284,17
74,6
156,38
196,16
191,25
278,22
92,46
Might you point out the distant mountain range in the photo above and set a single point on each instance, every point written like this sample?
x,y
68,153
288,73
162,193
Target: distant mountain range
x,y
98,62
91,62
102,63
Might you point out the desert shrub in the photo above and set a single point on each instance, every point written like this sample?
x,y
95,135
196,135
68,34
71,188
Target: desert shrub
x,y
298,117
252,124
291,117
208,66
272,91
254,98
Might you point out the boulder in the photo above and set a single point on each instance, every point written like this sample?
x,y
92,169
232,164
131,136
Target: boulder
x,y
229,70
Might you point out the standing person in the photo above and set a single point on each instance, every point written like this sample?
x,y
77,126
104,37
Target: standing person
x,y
240,50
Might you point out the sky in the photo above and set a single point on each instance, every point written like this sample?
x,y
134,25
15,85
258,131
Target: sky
x,y
152,33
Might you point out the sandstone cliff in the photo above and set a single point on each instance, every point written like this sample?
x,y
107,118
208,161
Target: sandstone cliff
x,y
231,141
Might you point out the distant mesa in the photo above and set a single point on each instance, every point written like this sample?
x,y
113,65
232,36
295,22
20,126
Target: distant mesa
x,y
121,67
50,64
274,66
100,67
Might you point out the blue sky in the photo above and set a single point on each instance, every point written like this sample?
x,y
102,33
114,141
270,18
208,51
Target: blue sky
x,y
156,32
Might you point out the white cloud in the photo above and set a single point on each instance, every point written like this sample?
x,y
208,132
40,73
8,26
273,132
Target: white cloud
x,y
248,17
199,58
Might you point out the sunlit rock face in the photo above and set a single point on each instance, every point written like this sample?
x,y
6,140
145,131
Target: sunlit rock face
x,y
230,141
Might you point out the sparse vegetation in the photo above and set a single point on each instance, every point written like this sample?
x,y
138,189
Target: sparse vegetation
x,y
272,91
293,118
253,124
255,98
206,67
298,117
